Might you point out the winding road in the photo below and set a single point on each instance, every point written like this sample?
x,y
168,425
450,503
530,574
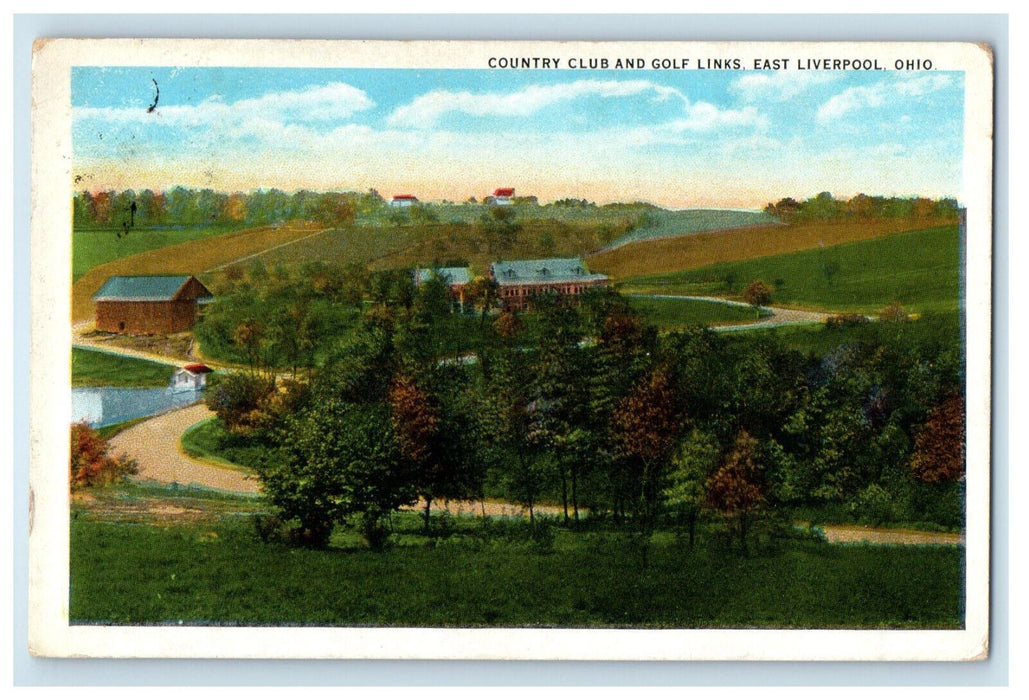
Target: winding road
x,y
154,444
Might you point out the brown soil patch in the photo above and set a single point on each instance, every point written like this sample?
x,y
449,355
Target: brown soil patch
x,y
664,255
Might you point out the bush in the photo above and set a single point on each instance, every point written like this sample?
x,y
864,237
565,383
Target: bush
x,y
757,293
237,399
91,465
893,313
838,321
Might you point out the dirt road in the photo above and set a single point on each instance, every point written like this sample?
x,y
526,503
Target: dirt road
x,y
155,445
777,316
837,534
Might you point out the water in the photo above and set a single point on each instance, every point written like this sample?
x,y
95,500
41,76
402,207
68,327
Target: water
x,y
107,405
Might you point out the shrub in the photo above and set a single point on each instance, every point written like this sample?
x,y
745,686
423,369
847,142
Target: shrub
x,y
91,465
845,321
894,313
757,293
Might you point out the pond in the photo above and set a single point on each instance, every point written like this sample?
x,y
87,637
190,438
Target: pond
x,y
106,405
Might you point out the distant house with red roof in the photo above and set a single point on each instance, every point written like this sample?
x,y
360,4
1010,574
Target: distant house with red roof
x,y
191,377
503,195
403,200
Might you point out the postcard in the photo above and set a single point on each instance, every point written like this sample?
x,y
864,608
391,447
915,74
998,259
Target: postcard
x,y
510,350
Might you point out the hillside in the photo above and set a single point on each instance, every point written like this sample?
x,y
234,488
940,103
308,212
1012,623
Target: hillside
x,y
919,269
191,257
687,252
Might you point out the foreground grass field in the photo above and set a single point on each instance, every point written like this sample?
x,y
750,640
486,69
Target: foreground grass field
x,y
205,565
96,247
919,269
688,252
91,368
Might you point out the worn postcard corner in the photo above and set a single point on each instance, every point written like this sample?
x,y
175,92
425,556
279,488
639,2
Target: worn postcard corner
x,y
510,350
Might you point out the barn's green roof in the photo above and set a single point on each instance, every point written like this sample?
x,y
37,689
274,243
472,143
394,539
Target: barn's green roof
x,y
144,288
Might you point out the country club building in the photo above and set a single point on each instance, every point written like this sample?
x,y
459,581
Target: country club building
x,y
149,305
520,280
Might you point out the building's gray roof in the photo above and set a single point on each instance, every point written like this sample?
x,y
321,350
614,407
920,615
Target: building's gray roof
x,y
453,275
545,271
143,288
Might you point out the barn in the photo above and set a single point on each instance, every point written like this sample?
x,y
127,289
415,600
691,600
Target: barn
x,y
149,305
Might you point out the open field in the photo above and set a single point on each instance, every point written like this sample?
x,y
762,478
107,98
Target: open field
x,y
165,556
669,314
96,247
668,255
91,368
919,269
191,257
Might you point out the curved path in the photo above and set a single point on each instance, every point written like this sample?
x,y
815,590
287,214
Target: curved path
x,y
154,444
778,316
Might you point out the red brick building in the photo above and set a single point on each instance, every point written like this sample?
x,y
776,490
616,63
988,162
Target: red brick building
x,y
149,305
521,280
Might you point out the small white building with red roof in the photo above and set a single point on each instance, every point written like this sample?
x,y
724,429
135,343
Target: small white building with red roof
x,y
191,377
503,195
403,200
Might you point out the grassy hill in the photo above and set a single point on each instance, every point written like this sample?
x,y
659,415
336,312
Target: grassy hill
x,y
919,269
687,252
96,247
190,257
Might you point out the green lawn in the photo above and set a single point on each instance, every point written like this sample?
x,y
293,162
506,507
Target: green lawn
x,y
92,368
919,269
940,329
96,247
676,313
210,441
219,572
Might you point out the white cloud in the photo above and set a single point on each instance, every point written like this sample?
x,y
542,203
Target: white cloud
x,y
321,103
426,109
779,86
873,96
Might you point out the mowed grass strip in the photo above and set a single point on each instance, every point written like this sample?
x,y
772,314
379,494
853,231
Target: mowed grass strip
x,y
219,573
700,249
96,247
919,269
668,314
188,258
92,368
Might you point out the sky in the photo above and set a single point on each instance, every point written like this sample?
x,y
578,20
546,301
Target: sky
x,y
674,138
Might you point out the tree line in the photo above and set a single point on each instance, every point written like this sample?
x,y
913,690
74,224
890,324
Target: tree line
x,y
825,207
585,405
181,206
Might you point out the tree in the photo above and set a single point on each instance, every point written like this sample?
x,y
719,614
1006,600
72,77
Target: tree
x,y
939,455
237,398
735,489
249,336
757,293
644,428
91,463
416,422
684,493
342,460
